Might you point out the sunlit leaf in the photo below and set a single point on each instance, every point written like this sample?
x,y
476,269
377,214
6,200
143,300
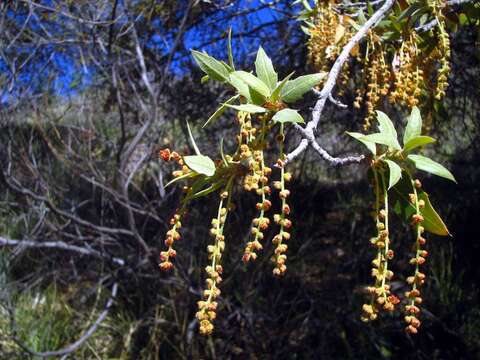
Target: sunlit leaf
x,y
250,108
428,165
386,127
288,116
360,137
399,200
295,89
201,164
195,147
208,190
240,85
276,92
264,69
253,82
381,138
417,141
186,176
395,173
229,49
414,126
211,66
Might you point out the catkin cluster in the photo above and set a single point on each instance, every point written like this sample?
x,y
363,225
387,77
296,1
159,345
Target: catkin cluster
x,y
248,166
413,296
258,182
407,73
208,306
381,296
380,292
172,234
403,71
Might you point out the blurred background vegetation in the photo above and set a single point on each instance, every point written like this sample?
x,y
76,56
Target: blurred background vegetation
x,y
80,80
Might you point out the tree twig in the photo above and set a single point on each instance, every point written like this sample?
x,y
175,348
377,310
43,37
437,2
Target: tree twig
x,y
60,245
326,93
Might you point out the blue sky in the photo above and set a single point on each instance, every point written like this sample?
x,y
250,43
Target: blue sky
x,y
65,75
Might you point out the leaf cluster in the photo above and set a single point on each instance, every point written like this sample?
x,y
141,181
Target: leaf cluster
x,y
400,162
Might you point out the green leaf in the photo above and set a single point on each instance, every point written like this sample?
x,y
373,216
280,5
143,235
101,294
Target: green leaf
x,y
229,49
399,200
361,17
276,92
369,144
257,98
288,116
201,164
428,165
414,126
241,86
435,223
220,110
253,82
295,89
208,190
417,141
211,66
381,138
204,79
186,176
195,147
395,173
194,188
264,69
222,153
386,127
250,108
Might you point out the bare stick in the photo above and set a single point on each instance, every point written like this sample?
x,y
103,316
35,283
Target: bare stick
x,y
60,245
326,93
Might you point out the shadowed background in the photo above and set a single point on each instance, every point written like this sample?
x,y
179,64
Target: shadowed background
x,y
90,90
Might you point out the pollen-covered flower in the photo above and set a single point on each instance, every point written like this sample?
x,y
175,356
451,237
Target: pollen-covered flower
x,y
172,236
207,308
413,296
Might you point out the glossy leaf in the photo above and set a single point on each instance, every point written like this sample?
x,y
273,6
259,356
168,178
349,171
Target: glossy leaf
x,y
435,223
417,141
253,82
186,176
360,137
211,66
201,164
295,89
240,85
395,173
229,49
208,190
288,116
250,108
192,140
381,138
386,127
276,92
414,126
428,165
264,69
220,110
399,199
222,153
